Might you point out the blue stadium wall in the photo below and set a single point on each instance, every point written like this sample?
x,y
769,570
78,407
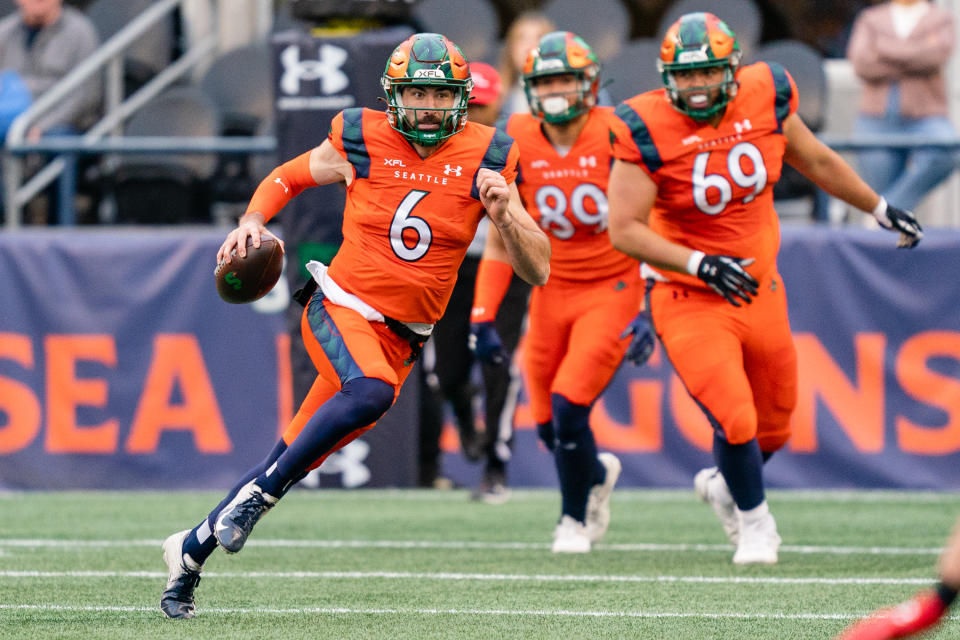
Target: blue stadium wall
x,y
120,367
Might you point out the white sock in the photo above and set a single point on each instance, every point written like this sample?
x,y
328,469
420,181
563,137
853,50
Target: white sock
x,y
758,513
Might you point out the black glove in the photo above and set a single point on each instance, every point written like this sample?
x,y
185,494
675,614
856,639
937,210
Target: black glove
x,y
547,437
901,220
485,342
641,348
726,276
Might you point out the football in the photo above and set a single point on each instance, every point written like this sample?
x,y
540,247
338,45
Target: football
x,y
250,278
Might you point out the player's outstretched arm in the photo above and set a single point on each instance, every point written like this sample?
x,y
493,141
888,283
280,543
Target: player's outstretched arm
x,y
830,172
519,241
321,165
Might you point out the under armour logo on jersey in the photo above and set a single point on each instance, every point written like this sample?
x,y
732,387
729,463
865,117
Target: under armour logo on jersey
x,y
448,170
280,182
745,125
588,161
326,69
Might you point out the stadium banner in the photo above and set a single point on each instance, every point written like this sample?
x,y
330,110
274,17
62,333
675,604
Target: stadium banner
x,y
877,331
120,367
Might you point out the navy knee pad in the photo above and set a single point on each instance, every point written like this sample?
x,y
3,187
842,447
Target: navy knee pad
x,y
571,421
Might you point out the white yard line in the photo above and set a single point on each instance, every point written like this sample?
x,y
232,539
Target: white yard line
x,y
431,611
463,577
455,545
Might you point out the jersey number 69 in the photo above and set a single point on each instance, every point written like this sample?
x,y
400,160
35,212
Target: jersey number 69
x,y
756,179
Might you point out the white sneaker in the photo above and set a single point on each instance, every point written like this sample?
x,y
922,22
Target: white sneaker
x,y
598,502
570,536
759,540
712,488
182,578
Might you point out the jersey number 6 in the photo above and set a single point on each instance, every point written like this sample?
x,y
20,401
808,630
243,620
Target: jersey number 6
x,y
403,220
756,179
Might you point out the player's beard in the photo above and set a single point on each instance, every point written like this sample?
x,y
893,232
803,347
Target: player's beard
x,y
429,119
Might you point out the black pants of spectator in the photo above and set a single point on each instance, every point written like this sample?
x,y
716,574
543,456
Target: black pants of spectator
x,y
446,368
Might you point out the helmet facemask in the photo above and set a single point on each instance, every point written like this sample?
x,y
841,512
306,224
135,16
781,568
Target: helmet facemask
x,y
725,90
426,60
557,108
407,121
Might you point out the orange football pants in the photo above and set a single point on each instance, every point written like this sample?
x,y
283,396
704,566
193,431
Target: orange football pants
x,y
739,364
573,345
343,345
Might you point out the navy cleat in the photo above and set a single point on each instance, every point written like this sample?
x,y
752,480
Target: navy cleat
x,y
177,599
237,519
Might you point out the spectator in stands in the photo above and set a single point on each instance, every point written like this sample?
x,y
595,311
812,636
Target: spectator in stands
x,y
522,36
448,371
43,42
921,612
900,50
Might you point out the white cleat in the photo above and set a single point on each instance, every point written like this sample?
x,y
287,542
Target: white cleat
x,y
236,520
598,502
182,578
712,488
759,540
570,536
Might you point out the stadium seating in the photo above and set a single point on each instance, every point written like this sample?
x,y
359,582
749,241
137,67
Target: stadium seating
x,y
239,83
152,52
633,70
167,188
604,24
472,25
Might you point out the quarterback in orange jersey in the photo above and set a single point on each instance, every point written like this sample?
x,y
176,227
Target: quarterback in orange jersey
x,y
691,194
574,343
419,178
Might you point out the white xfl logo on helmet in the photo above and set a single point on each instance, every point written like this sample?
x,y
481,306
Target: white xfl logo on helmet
x,y
429,73
326,69
447,170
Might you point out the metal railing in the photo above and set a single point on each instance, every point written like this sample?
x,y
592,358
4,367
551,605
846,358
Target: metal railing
x,y
109,58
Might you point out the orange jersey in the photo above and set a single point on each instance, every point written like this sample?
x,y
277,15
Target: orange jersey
x,y
408,221
567,195
714,185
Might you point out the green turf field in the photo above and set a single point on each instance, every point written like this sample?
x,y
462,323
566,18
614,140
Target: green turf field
x,y
421,564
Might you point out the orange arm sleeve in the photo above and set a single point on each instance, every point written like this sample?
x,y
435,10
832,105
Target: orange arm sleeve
x,y
281,186
493,280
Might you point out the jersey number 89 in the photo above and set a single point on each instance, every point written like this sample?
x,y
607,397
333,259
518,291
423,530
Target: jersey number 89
x,y
551,215
756,179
